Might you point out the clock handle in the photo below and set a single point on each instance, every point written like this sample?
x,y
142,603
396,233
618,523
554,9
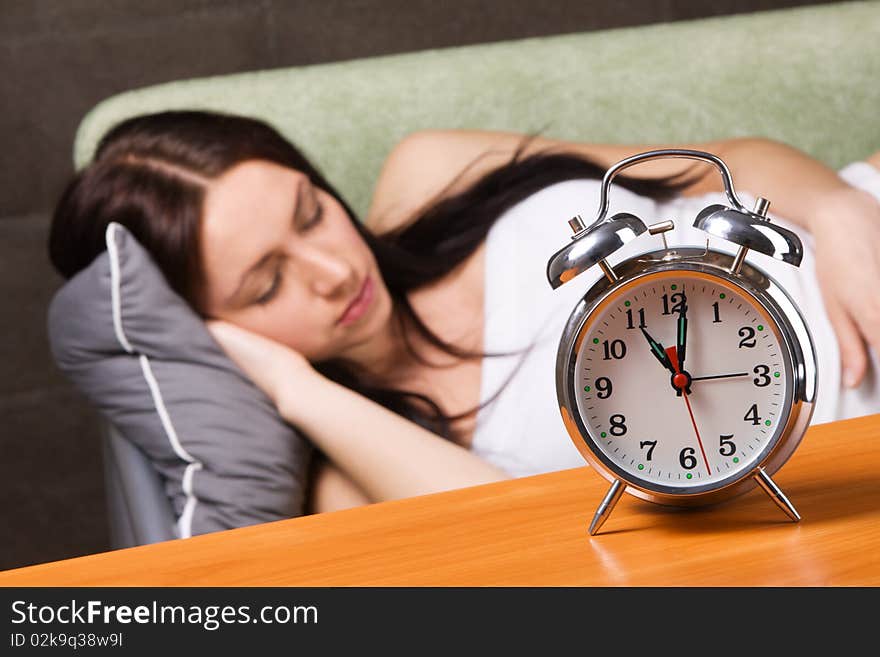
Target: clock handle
x,y
612,497
683,153
769,486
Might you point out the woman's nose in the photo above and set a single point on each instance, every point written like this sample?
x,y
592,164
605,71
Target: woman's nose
x,y
327,273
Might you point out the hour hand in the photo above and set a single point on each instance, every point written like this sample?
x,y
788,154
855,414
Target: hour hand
x,y
659,352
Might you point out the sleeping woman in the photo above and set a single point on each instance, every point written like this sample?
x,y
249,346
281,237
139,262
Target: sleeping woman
x,y
415,346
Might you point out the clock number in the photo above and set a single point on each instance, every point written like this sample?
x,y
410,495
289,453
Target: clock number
x,y
747,333
629,319
678,300
752,415
616,350
687,459
603,387
763,378
618,425
727,447
652,443
717,319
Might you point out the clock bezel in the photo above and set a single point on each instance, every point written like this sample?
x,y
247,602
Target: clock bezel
x,y
799,363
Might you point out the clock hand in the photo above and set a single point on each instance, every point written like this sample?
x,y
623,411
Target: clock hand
x,y
718,376
659,352
681,334
680,381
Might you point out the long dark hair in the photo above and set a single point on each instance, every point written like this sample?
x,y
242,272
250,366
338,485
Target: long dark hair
x,y
150,172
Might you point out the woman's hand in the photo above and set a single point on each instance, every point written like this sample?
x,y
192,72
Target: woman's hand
x,y
272,366
847,245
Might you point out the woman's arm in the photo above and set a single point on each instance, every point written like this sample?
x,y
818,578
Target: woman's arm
x,y
384,454
330,489
430,164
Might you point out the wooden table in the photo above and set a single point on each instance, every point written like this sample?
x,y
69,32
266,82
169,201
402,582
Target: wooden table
x,y
533,531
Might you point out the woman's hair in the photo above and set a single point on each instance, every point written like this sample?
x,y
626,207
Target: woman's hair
x,y
150,174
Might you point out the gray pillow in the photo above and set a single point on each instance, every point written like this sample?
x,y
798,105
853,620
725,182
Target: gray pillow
x,y
150,366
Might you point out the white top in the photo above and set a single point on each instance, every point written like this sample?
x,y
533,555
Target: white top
x,y
521,431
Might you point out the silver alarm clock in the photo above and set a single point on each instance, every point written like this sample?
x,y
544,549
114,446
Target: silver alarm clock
x,y
685,375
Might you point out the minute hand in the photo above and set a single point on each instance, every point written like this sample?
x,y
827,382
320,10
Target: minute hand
x,y
681,338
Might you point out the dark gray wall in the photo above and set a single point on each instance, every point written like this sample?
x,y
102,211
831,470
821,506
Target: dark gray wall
x,y
57,59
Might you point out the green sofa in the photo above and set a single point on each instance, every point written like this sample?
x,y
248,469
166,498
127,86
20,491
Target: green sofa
x,y
807,76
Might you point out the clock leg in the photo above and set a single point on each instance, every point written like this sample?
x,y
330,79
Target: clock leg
x,y
770,487
612,497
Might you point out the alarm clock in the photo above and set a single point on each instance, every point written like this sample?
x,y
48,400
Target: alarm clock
x,y
685,375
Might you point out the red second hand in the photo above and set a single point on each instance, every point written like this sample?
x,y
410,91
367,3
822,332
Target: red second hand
x,y
672,353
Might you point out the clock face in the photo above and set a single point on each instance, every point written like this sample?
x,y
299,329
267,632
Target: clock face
x,y
683,381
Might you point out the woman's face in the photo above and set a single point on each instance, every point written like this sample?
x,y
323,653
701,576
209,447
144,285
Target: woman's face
x,y
282,259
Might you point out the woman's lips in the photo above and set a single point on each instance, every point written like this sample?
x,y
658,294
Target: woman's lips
x,y
359,305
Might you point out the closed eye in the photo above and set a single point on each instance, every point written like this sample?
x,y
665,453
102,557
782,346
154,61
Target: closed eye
x,y
267,296
316,218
